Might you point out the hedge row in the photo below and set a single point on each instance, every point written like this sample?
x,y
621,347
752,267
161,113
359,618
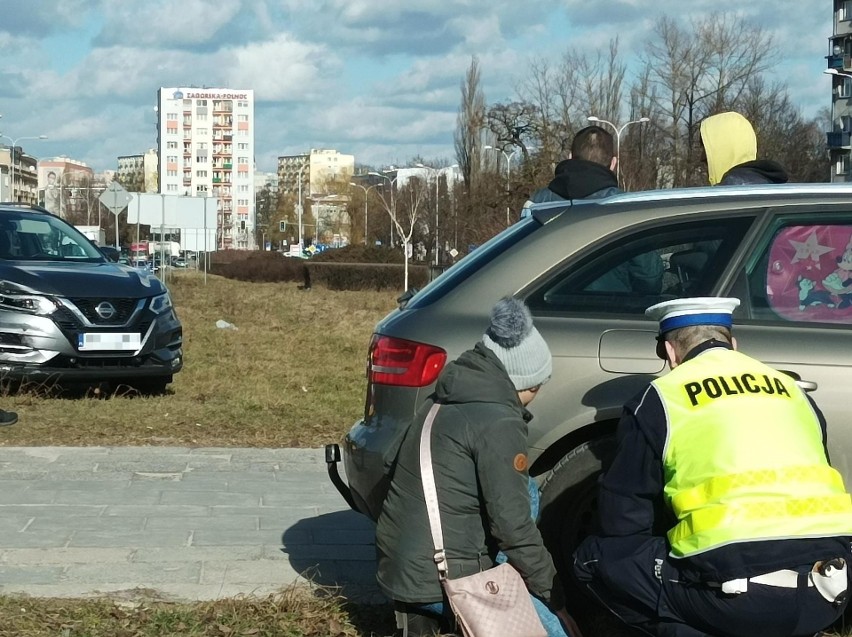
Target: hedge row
x,y
365,276
273,267
360,254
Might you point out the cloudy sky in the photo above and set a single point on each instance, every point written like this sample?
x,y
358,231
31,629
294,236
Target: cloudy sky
x,y
375,78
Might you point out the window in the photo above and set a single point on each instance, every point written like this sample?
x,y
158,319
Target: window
x,y
844,11
201,159
171,117
171,173
200,173
242,104
172,159
243,188
628,275
242,160
201,102
201,117
171,145
805,273
844,89
242,146
841,167
171,187
242,118
202,131
201,145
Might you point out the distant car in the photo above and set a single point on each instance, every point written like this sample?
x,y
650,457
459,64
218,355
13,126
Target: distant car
x,y
785,251
69,315
179,263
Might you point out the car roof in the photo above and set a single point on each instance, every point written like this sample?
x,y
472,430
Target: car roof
x,y
744,193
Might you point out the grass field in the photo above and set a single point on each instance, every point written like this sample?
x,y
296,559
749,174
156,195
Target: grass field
x,y
290,375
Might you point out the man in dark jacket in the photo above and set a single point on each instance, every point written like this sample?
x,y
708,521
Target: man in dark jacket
x,y
587,174
479,455
588,171
730,147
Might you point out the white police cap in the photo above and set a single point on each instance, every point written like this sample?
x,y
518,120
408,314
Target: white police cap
x,y
705,310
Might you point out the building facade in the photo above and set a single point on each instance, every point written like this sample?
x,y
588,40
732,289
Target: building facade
x,y
206,148
67,187
840,67
18,175
325,175
138,173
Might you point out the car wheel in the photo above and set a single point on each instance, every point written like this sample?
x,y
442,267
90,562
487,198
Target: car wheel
x,y
569,497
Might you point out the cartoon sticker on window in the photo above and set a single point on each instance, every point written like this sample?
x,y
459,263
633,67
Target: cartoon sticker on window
x,y
809,275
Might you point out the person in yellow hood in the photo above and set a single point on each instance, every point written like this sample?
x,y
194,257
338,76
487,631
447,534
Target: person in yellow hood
x,y
730,147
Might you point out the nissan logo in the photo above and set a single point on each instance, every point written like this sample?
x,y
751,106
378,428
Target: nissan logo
x,y
105,310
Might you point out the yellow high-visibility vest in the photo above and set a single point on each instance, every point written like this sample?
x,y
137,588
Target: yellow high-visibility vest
x,y
744,458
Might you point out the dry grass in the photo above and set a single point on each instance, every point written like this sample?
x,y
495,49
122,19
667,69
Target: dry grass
x,y
290,375
293,613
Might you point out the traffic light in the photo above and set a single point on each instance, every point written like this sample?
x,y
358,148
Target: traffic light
x,y
282,226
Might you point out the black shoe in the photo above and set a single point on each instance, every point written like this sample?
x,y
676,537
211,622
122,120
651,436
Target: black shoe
x,y
8,418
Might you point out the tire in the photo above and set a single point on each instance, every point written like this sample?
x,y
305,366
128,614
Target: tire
x,y
569,497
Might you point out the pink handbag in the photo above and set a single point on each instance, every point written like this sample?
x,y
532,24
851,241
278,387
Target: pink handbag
x,y
490,603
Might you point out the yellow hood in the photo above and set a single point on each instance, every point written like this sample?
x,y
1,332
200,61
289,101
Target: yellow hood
x,y
729,140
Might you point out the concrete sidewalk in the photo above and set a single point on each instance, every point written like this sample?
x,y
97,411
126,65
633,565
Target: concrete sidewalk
x,y
193,524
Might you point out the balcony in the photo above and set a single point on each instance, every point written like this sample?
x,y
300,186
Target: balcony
x,y
217,180
840,62
841,139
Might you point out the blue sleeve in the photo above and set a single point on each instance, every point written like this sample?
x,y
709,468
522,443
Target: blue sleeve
x,y
632,485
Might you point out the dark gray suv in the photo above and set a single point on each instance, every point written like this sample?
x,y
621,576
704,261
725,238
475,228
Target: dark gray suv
x,y
785,251
68,315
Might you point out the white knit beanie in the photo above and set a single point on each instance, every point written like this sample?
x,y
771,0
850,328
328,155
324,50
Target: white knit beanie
x,y
517,343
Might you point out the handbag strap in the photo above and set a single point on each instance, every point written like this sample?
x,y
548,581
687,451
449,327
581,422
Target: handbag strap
x,y
430,493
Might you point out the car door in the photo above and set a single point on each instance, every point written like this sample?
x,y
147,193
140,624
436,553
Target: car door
x,y
591,313
796,288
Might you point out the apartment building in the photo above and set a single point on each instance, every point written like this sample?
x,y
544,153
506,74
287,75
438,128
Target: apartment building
x,y
325,175
840,68
206,148
18,176
138,173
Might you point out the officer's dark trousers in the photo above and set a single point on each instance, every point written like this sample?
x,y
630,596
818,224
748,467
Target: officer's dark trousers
x,y
636,580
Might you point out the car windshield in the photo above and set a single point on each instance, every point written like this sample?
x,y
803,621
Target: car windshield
x,y
28,236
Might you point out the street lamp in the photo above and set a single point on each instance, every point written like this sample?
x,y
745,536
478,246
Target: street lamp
x,y
508,174
618,132
12,158
366,190
299,210
391,182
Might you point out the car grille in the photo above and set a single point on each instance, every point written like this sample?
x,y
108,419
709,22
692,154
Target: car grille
x,y
123,309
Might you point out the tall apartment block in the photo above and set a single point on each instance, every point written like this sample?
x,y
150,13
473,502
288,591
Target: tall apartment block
x,y
840,67
206,148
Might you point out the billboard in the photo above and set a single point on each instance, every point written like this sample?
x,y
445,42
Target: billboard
x,y
49,178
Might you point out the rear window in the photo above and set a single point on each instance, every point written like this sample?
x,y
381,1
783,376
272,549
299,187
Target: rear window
x,y
476,260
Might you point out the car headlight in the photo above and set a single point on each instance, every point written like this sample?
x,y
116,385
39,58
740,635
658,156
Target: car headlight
x,y
13,297
162,303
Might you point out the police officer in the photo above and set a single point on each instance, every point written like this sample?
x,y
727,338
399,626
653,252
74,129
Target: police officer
x,y
719,512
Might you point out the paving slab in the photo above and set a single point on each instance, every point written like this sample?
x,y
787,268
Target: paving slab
x,y
190,524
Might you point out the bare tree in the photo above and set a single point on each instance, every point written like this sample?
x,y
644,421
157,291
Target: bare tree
x,y
695,72
469,124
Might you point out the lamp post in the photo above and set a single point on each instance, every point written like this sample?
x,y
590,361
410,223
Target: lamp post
x,y
508,157
12,158
391,182
299,209
437,172
366,189
618,132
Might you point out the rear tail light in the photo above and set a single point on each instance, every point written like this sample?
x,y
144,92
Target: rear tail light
x,y
395,361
